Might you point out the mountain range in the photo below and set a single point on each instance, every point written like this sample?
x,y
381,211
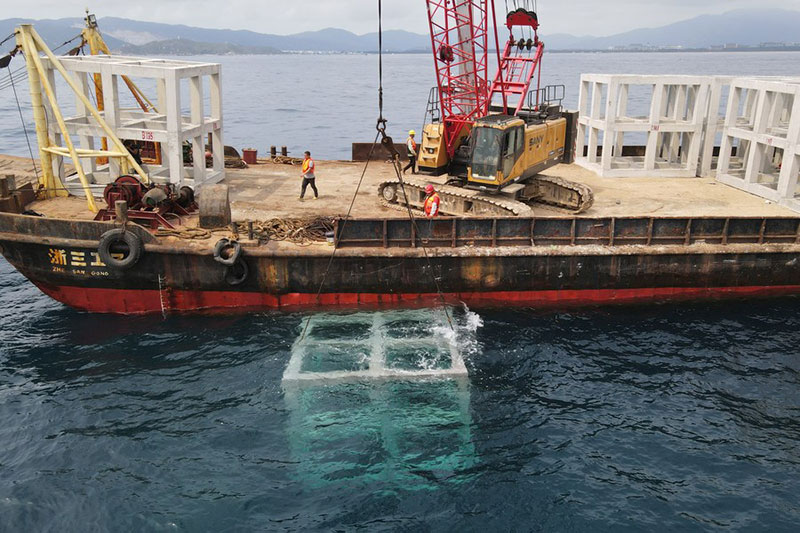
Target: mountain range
x,y
749,27
745,27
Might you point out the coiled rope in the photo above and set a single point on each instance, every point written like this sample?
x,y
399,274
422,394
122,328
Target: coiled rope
x,y
295,230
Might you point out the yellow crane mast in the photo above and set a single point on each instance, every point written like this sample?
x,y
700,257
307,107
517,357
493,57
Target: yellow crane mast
x,y
36,50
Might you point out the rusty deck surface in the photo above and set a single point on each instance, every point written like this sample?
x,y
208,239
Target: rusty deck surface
x,y
269,190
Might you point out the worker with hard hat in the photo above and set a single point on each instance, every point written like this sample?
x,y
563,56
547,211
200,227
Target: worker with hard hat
x,y
432,201
411,148
308,173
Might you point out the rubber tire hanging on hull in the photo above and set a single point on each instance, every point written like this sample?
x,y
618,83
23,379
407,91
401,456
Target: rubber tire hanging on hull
x,y
232,257
115,236
237,273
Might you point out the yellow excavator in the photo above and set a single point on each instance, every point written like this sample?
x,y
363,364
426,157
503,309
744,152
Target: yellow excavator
x,y
492,139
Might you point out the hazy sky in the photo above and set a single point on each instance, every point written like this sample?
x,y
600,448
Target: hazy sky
x,y
579,17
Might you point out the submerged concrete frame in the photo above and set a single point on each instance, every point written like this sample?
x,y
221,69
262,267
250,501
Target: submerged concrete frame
x,y
377,343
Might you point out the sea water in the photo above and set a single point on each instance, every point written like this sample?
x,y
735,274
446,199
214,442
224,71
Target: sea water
x,y
323,103
679,417
659,417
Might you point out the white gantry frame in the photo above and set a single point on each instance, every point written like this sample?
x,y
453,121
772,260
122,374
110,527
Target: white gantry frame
x,y
166,124
760,149
674,127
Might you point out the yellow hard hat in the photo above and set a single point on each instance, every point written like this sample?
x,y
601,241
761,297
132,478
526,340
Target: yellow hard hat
x,y
412,132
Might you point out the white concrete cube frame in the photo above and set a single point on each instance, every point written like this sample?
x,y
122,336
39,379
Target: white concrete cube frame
x,y
678,113
763,118
167,126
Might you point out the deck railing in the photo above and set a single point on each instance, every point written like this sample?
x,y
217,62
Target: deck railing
x,y
452,232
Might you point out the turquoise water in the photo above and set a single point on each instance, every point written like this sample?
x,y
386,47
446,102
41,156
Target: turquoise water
x,y
664,417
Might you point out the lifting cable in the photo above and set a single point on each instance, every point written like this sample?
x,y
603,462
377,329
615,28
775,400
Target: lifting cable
x,y
387,142
11,83
18,75
344,225
22,120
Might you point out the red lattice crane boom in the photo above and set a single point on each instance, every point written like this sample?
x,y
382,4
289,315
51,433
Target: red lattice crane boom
x,y
460,45
459,42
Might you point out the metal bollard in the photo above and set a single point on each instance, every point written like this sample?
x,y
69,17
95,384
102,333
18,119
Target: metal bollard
x,y
284,151
6,185
273,152
121,211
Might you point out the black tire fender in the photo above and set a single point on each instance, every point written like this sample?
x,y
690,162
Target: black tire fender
x,y
237,273
120,235
232,257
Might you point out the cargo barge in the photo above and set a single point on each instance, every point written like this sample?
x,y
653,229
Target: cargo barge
x,y
710,241
148,247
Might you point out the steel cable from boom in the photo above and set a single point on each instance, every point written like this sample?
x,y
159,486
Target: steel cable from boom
x,y
344,225
65,43
24,128
16,76
355,194
387,142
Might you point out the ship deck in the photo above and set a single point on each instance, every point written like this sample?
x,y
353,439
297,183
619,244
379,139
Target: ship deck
x,y
268,190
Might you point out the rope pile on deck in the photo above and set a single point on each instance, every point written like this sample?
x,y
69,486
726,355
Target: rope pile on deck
x,y
286,160
294,230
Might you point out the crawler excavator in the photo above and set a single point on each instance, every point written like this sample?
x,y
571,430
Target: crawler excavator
x,y
491,139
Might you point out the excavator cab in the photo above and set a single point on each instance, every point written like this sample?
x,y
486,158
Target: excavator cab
x,y
497,145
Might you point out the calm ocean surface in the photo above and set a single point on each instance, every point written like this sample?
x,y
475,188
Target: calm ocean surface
x,y
641,418
323,103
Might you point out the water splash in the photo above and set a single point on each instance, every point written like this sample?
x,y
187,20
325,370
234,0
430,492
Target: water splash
x,y
463,333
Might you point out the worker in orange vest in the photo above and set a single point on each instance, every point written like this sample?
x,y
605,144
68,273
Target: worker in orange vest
x,y
432,202
411,148
308,176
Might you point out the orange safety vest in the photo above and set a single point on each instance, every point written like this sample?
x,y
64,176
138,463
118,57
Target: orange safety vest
x,y
432,205
411,145
309,164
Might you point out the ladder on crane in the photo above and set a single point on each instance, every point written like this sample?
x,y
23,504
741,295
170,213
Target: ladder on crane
x,y
460,44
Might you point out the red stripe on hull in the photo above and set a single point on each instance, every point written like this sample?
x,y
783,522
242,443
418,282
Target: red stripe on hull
x,y
127,301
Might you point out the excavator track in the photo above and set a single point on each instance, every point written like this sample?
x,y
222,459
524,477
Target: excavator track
x,y
458,201
455,201
564,194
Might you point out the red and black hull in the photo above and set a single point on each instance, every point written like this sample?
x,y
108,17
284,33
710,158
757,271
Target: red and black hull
x,y
178,278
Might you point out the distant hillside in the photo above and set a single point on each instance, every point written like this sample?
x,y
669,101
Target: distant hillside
x,y
744,27
119,32
54,32
186,47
